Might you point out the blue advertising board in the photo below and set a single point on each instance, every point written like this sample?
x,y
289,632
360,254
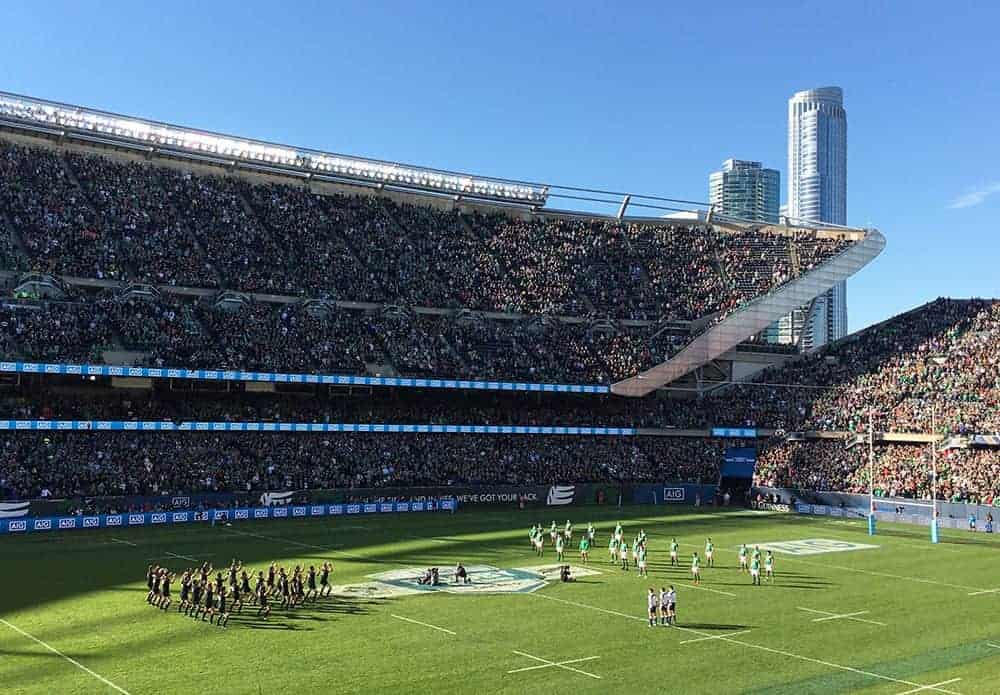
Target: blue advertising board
x,y
287,378
167,426
29,524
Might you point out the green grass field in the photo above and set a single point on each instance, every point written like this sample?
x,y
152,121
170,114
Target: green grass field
x,y
73,618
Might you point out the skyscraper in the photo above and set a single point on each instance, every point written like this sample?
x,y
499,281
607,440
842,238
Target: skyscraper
x,y
745,190
817,191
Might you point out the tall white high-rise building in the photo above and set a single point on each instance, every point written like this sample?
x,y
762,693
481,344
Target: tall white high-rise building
x,y
817,191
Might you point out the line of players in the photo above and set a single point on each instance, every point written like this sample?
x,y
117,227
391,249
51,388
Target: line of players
x,y
619,549
215,598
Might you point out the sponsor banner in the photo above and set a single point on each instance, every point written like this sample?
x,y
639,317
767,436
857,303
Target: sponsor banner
x,y
739,462
673,495
9,510
157,426
280,377
25,524
734,432
770,506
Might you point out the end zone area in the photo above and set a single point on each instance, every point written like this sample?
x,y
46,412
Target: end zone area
x,y
894,618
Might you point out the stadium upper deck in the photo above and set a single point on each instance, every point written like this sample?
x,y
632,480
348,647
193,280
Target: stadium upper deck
x,y
106,200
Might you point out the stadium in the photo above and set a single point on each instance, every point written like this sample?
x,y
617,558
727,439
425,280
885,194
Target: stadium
x,y
304,380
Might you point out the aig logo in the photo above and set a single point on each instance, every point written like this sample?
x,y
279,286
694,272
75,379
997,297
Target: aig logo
x,y
180,517
135,519
298,511
260,513
316,511
280,511
157,518
91,521
115,520
43,524
18,526
673,494
67,523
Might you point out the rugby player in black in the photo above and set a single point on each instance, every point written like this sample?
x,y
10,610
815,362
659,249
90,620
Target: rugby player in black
x,y
196,591
168,577
312,591
150,574
262,607
209,603
324,579
185,602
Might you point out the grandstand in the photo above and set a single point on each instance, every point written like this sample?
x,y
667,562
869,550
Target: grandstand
x,y
401,271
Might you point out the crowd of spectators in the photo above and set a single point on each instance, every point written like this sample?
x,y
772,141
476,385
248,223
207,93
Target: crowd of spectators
x,y
66,464
97,217
900,470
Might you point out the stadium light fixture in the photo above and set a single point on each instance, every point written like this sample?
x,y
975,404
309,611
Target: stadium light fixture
x,y
76,118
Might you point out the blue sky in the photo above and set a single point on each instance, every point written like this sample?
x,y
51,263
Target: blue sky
x,y
646,98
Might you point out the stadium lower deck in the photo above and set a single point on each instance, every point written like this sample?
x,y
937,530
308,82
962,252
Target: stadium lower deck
x,y
846,612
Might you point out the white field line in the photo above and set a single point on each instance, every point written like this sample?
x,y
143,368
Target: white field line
x,y
178,556
561,664
711,637
417,622
847,616
76,663
984,591
929,687
995,646
705,588
300,544
760,647
119,540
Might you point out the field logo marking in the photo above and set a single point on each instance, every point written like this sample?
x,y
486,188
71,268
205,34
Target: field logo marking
x,y
73,661
417,622
564,665
814,546
841,616
485,579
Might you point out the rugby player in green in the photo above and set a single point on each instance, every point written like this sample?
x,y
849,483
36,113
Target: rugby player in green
x,y
755,571
744,557
709,552
623,554
673,553
695,569
559,548
584,550
769,567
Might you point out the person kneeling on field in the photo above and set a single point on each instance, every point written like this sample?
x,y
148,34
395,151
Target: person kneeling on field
x,y
564,575
461,575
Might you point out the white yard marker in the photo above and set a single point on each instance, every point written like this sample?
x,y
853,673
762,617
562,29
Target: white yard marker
x,y
178,556
761,647
417,622
705,588
929,687
119,540
711,637
76,663
556,664
984,591
841,616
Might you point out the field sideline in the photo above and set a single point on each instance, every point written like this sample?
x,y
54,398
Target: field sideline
x,y
902,617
